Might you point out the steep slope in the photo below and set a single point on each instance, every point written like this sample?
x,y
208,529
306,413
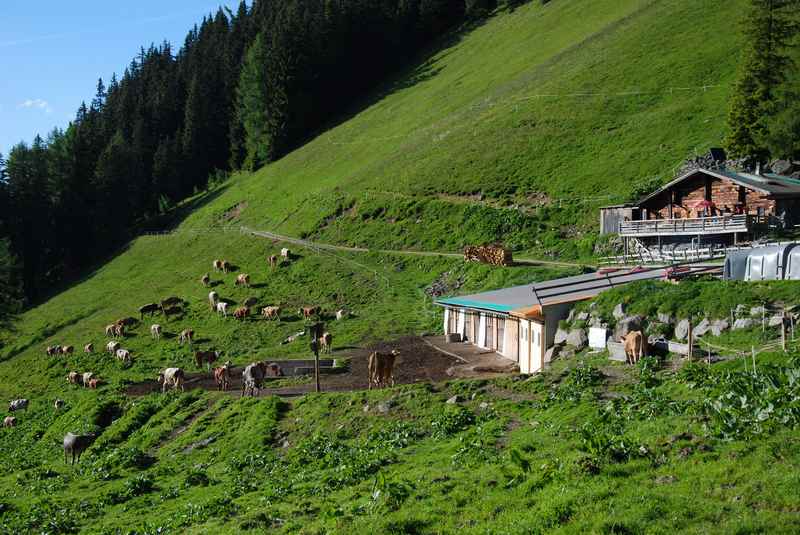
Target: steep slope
x,y
528,110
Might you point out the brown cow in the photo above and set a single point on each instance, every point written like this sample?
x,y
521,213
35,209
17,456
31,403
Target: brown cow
x,y
9,421
222,376
94,381
271,313
226,266
250,302
127,322
74,378
205,357
119,330
171,302
88,348
149,308
111,330
217,265
187,335
205,280
326,342
381,368
242,280
635,346
309,312
273,369
241,313
273,261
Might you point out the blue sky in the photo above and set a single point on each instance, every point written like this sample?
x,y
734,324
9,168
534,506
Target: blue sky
x,y
52,52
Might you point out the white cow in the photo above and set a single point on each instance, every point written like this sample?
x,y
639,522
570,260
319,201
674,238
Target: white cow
x,y
285,253
112,347
155,331
86,378
124,355
213,298
173,377
341,314
222,308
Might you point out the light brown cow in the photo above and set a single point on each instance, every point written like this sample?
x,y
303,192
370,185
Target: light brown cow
x,y
241,313
226,266
187,335
635,346
326,342
205,280
222,376
155,331
93,382
217,264
242,280
273,261
119,330
124,355
271,313
309,312
9,421
88,348
381,368
110,330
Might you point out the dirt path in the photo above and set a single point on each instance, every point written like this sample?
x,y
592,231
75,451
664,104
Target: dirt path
x,y
329,247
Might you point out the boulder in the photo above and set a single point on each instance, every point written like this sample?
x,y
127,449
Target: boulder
x,y
664,317
453,400
626,325
384,406
758,311
702,328
743,323
781,167
776,320
619,311
719,326
682,330
567,352
577,338
616,351
561,336
552,353
741,311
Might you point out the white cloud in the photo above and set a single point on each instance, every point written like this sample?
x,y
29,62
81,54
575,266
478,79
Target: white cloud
x,y
36,104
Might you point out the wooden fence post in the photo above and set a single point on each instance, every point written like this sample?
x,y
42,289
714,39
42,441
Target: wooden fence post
x,y
783,331
753,350
690,340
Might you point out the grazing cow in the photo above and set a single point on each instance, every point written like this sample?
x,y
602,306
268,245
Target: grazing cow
x,y
273,261
86,378
273,370
250,301
127,322
205,357
75,445
150,308
18,405
252,377
241,313
309,312
341,314
74,378
217,265
170,302
243,280
271,313
206,280
111,330
381,368
213,299
635,346
112,347
53,350
119,330
222,376
124,355
222,308
326,341
155,331
172,311
67,350
93,382
226,266
58,403
9,421
88,348
187,335
171,377
286,253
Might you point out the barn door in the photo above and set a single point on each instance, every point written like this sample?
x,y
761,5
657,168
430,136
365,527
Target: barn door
x,y
524,347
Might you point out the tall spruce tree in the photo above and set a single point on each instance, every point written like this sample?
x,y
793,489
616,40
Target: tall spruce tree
x,y
769,26
251,97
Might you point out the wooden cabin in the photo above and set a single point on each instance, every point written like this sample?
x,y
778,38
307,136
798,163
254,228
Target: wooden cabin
x,y
705,202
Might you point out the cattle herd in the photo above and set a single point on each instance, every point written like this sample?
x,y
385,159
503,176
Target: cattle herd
x,y
174,378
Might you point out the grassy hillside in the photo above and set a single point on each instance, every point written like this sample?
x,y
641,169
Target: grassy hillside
x,y
432,161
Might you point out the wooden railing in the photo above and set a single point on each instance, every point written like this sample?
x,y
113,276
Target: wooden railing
x,y
727,224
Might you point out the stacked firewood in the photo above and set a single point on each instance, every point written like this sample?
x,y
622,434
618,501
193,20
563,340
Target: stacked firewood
x,y
497,255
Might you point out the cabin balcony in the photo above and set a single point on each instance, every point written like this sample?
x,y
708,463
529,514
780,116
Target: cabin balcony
x,y
725,224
